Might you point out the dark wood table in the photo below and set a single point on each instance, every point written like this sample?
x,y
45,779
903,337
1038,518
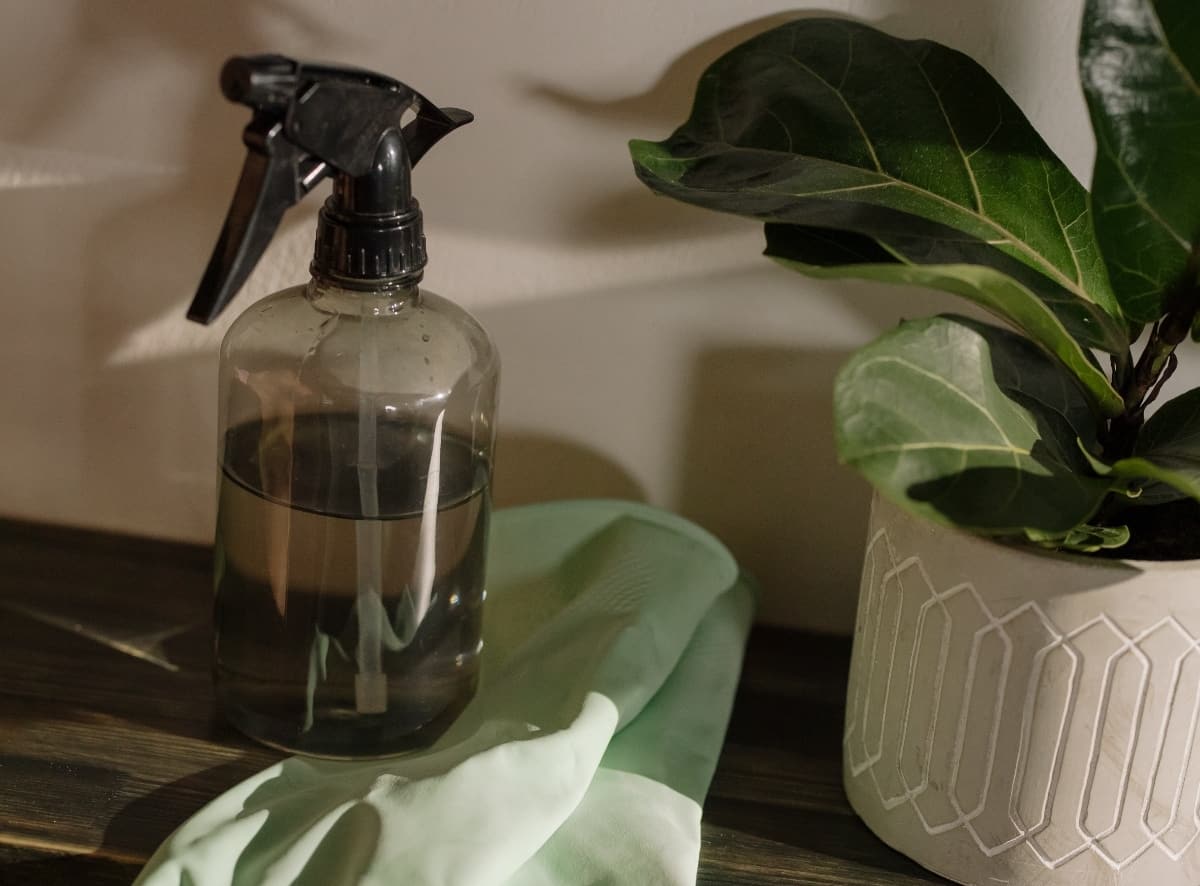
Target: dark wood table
x,y
108,737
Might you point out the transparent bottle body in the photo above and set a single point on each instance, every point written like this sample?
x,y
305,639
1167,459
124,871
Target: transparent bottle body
x,y
356,440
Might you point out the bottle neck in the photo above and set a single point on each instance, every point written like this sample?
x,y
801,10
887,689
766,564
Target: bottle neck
x,y
329,297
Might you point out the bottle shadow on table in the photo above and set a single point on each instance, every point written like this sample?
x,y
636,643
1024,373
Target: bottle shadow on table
x,y
105,629
130,837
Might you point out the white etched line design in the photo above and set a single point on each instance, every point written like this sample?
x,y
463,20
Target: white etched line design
x,y
940,665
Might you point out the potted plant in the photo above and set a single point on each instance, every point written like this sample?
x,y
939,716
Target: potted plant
x,y
1025,684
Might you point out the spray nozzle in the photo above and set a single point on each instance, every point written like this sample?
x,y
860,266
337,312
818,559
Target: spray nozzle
x,y
312,121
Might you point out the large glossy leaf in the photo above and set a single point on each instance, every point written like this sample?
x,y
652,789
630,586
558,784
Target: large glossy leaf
x,y
833,124
969,425
1056,321
1167,452
1140,64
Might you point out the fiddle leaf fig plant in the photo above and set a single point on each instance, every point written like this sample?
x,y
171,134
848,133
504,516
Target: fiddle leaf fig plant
x,y
904,161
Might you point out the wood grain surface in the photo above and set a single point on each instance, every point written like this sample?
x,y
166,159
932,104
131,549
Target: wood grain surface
x,y
109,738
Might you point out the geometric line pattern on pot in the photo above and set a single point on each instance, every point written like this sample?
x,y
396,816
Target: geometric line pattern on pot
x,y
907,726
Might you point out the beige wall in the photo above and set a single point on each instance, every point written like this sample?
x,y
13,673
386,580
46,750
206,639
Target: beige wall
x,y
649,351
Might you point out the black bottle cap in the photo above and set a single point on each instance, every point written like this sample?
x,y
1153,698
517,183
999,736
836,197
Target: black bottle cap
x,y
312,121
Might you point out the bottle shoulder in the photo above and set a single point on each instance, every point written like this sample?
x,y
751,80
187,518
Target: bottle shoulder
x,y
415,338
273,318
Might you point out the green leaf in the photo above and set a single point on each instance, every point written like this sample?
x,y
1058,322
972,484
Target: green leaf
x,y
1063,332
833,124
969,425
913,242
1167,452
1085,539
1140,64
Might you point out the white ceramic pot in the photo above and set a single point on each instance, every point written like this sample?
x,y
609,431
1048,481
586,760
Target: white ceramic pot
x,y
1017,717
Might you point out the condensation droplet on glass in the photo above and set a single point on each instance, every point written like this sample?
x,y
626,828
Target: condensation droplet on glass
x,y
425,337
454,599
426,361
459,660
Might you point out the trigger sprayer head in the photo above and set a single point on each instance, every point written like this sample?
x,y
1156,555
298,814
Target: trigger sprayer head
x,y
310,122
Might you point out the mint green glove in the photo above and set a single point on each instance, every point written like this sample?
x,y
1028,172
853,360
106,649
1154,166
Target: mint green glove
x,y
614,635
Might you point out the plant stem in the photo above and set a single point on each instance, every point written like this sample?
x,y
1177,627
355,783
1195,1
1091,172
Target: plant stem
x,y
1154,366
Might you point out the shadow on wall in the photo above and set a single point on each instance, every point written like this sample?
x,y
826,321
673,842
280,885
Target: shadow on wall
x,y
196,36
734,430
533,467
990,31
978,28
633,213
759,471
203,36
134,261
753,458
668,100
758,463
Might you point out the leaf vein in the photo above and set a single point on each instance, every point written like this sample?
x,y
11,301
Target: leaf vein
x,y
937,96
1058,220
1176,62
991,135
955,389
849,57
782,125
845,104
1138,194
951,447
1039,261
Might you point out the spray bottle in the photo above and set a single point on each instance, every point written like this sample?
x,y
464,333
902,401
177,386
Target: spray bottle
x,y
356,431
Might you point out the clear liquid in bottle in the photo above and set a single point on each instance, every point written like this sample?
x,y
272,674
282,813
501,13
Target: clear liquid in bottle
x,y
290,602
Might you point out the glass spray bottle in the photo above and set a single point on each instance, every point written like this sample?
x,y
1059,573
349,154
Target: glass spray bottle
x,y
356,432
